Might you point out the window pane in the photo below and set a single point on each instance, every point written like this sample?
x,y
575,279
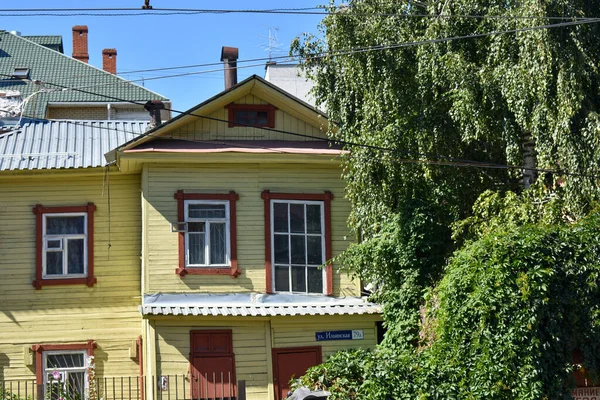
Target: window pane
x,y
66,360
54,263
281,247
206,210
75,385
297,218
315,280
54,244
75,256
280,217
315,250
65,225
298,249
313,218
298,279
196,248
196,226
217,243
282,282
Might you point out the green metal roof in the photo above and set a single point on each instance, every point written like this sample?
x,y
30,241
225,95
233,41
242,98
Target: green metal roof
x,y
53,42
55,70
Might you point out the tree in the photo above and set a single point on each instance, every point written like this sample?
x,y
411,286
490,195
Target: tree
x,y
457,114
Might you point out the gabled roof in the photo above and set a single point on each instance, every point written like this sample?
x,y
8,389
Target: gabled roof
x,y
44,144
253,84
52,67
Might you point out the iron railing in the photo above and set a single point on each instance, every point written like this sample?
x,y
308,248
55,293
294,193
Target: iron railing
x,y
207,386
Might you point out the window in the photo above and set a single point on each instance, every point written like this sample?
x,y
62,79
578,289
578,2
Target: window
x,y
62,369
298,242
251,115
207,234
206,237
64,245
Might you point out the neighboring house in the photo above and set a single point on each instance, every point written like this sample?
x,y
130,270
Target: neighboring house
x,y
69,256
188,260
35,71
292,79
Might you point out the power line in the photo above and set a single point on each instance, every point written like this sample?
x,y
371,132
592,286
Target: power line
x,y
128,12
368,49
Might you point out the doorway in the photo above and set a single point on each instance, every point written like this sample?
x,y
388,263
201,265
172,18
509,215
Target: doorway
x,y
292,362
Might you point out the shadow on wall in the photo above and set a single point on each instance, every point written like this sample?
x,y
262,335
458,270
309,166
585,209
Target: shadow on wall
x,y
3,365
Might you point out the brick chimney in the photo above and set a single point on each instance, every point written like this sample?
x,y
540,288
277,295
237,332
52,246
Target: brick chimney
x,y
80,43
229,56
109,60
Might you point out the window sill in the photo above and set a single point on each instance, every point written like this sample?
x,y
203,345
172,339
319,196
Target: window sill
x,y
39,283
233,272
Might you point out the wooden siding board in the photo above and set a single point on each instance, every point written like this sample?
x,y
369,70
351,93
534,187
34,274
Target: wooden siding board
x,y
248,181
106,313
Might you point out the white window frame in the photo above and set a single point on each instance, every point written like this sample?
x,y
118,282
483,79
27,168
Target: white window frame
x,y
306,266
208,221
65,371
64,247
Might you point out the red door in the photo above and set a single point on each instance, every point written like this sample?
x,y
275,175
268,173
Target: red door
x,y
292,362
212,365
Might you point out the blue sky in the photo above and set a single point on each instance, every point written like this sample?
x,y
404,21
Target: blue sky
x,y
145,42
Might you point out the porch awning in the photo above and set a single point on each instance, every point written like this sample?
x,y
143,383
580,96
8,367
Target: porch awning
x,y
254,305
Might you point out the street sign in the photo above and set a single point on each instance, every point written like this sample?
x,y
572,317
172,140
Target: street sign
x,y
356,334
586,393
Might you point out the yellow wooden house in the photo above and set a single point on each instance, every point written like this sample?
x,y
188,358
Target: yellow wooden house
x,y
242,207
193,257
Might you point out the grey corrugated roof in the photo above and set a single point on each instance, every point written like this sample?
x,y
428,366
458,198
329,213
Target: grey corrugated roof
x,y
254,305
56,71
64,144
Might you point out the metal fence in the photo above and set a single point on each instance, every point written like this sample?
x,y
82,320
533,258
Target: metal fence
x,y
213,386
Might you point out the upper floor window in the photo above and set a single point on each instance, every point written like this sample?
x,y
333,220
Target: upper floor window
x,y
262,115
298,246
207,233
64,243
298,242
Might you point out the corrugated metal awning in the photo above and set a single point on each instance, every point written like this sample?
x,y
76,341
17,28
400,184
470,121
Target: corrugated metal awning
x,y
254,305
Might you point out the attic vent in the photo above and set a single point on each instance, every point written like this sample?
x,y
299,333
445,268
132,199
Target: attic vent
x,y
21,73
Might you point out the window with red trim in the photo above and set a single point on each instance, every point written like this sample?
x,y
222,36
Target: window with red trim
x,y
62,369
64,245
298,242
251,115
207,233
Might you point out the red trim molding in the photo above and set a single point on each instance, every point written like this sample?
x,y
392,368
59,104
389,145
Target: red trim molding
x,y
269,108
326,198
233,269
39,350
39,211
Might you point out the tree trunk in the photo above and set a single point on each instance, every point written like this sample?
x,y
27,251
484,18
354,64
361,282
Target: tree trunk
x,y
529,160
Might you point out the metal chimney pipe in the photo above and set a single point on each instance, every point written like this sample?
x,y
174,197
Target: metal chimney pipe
x,y
229,56
154,107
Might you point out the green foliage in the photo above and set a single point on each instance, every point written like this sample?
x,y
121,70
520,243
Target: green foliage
x,y
502,323
487,286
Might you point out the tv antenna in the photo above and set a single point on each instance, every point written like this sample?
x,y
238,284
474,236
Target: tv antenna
x,y
272,45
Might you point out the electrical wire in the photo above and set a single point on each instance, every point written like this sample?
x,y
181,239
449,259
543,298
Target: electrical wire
x,y
125,12
449,161
364,50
